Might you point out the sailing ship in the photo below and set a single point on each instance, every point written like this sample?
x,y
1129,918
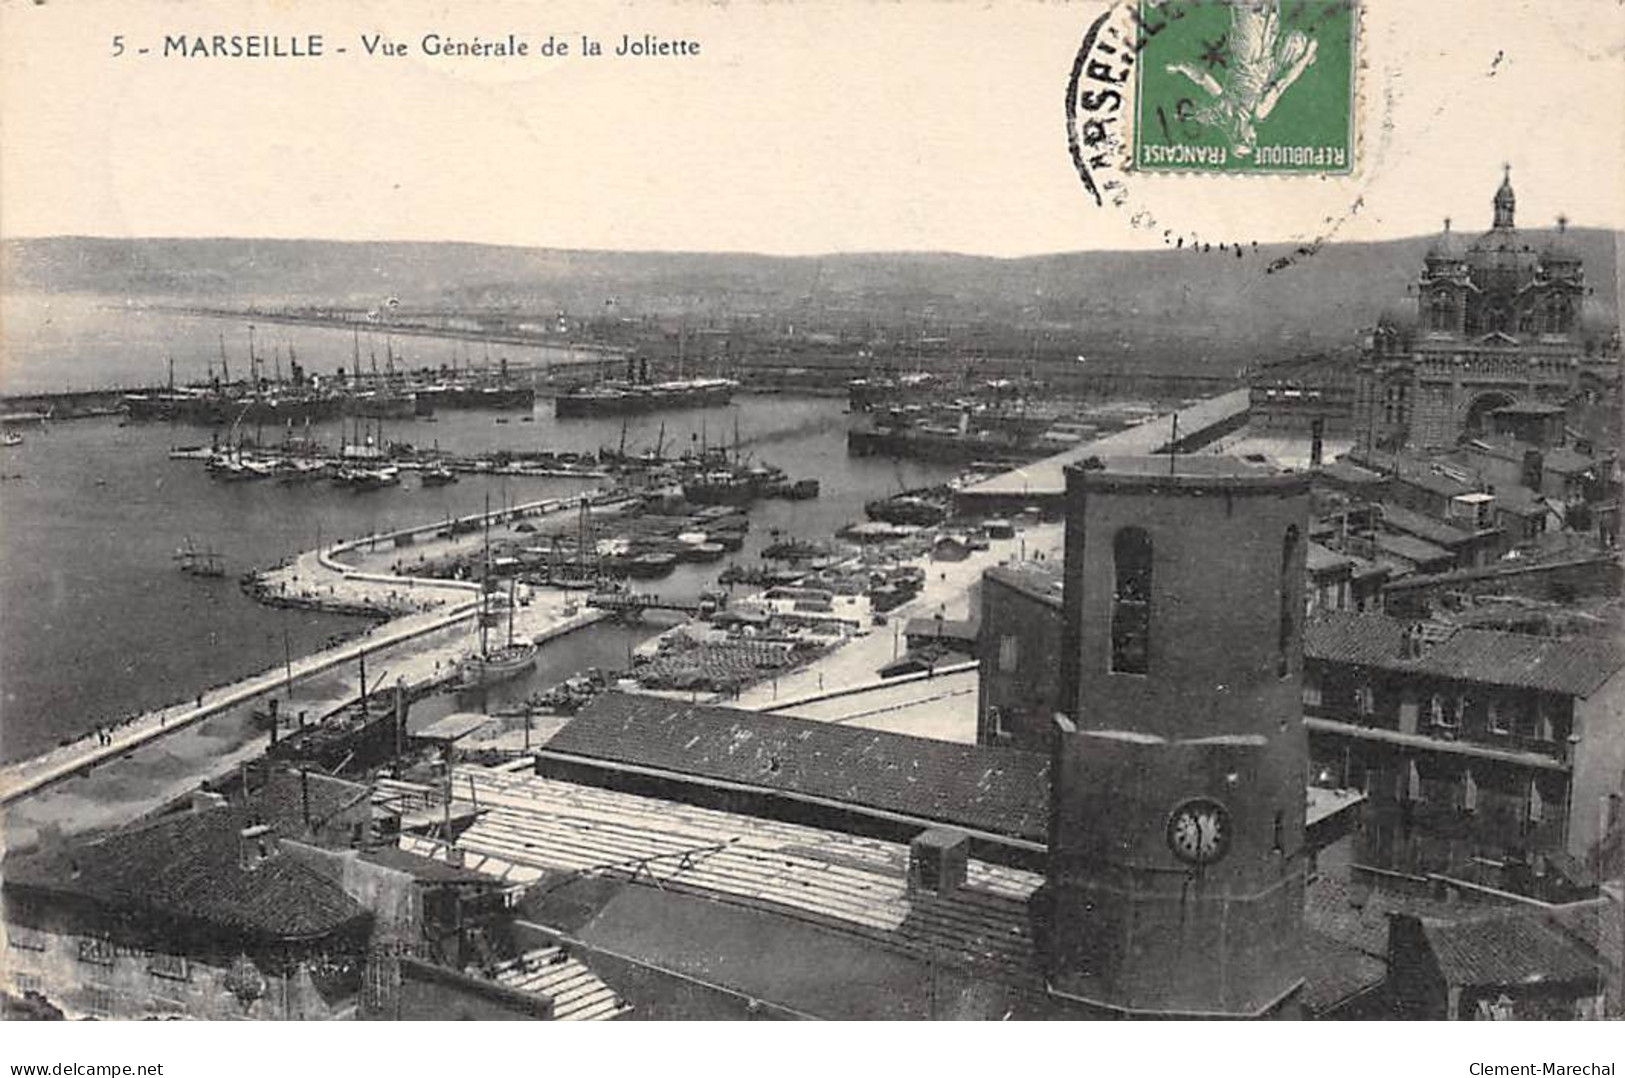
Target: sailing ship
x,y
437,476
491,665
197,562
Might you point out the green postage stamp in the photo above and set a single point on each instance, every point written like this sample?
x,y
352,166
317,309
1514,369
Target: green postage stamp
x,y
1246,86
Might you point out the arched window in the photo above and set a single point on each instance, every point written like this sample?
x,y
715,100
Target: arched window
x,y
1289,561
1441,313
1556,313
1131,602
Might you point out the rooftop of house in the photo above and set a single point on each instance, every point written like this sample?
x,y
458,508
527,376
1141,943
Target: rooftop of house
x,y
191,866
1520,501
1571,665
1410,549
1039,580
1418,470
1187,465
995,790
1512,947
289,798
1398,518
818,921
1562,459
1320,559
1354,910
986,790
960,629
423,869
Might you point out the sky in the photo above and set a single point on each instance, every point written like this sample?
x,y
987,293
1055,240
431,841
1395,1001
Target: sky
x,y
798,129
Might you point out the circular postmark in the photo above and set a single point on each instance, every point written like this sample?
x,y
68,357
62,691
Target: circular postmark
x,y
1209,124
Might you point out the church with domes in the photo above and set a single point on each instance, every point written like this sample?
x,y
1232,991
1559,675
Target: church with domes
x,y
1497,327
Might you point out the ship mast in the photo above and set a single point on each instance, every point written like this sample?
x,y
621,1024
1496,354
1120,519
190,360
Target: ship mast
x,y
485,589
512,582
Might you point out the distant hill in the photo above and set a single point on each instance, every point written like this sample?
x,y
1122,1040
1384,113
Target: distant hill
x,y
1315,300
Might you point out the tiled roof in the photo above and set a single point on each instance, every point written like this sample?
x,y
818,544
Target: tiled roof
x,y
1597,923
1356,914
1337,972
282,801
997,790
1400,519
1575,666
1515,947
189,866
1358,639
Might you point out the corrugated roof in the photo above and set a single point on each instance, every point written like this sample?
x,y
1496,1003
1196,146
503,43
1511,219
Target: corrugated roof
x,y
1515,947
996,790
189,866
1575,666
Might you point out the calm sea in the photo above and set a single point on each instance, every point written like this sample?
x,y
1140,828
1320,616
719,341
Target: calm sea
x,y
97,623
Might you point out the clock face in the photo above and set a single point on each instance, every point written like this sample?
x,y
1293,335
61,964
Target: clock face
x,y
1199,831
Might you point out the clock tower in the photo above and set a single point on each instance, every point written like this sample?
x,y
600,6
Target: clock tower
x,y
1176,849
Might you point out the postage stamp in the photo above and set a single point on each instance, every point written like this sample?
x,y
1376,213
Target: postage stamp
x,y
1234,86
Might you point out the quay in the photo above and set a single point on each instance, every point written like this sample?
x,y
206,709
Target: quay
x,y
420,608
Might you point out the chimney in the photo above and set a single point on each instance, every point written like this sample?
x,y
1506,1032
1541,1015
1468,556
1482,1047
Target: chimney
x,y
1410,645
1317,433
255,844
1534,469
937,861
275,719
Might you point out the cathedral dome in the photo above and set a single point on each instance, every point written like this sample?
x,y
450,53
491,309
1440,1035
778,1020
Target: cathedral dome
x,y
1560,251
1445,247
1502,258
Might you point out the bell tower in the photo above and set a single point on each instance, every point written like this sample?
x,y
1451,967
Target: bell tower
x,y
1505,201
1175,879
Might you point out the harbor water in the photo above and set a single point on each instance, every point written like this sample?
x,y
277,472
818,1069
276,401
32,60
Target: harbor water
x,y
98,623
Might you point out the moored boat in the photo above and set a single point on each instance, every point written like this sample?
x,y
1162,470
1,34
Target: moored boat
x,y
648,566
